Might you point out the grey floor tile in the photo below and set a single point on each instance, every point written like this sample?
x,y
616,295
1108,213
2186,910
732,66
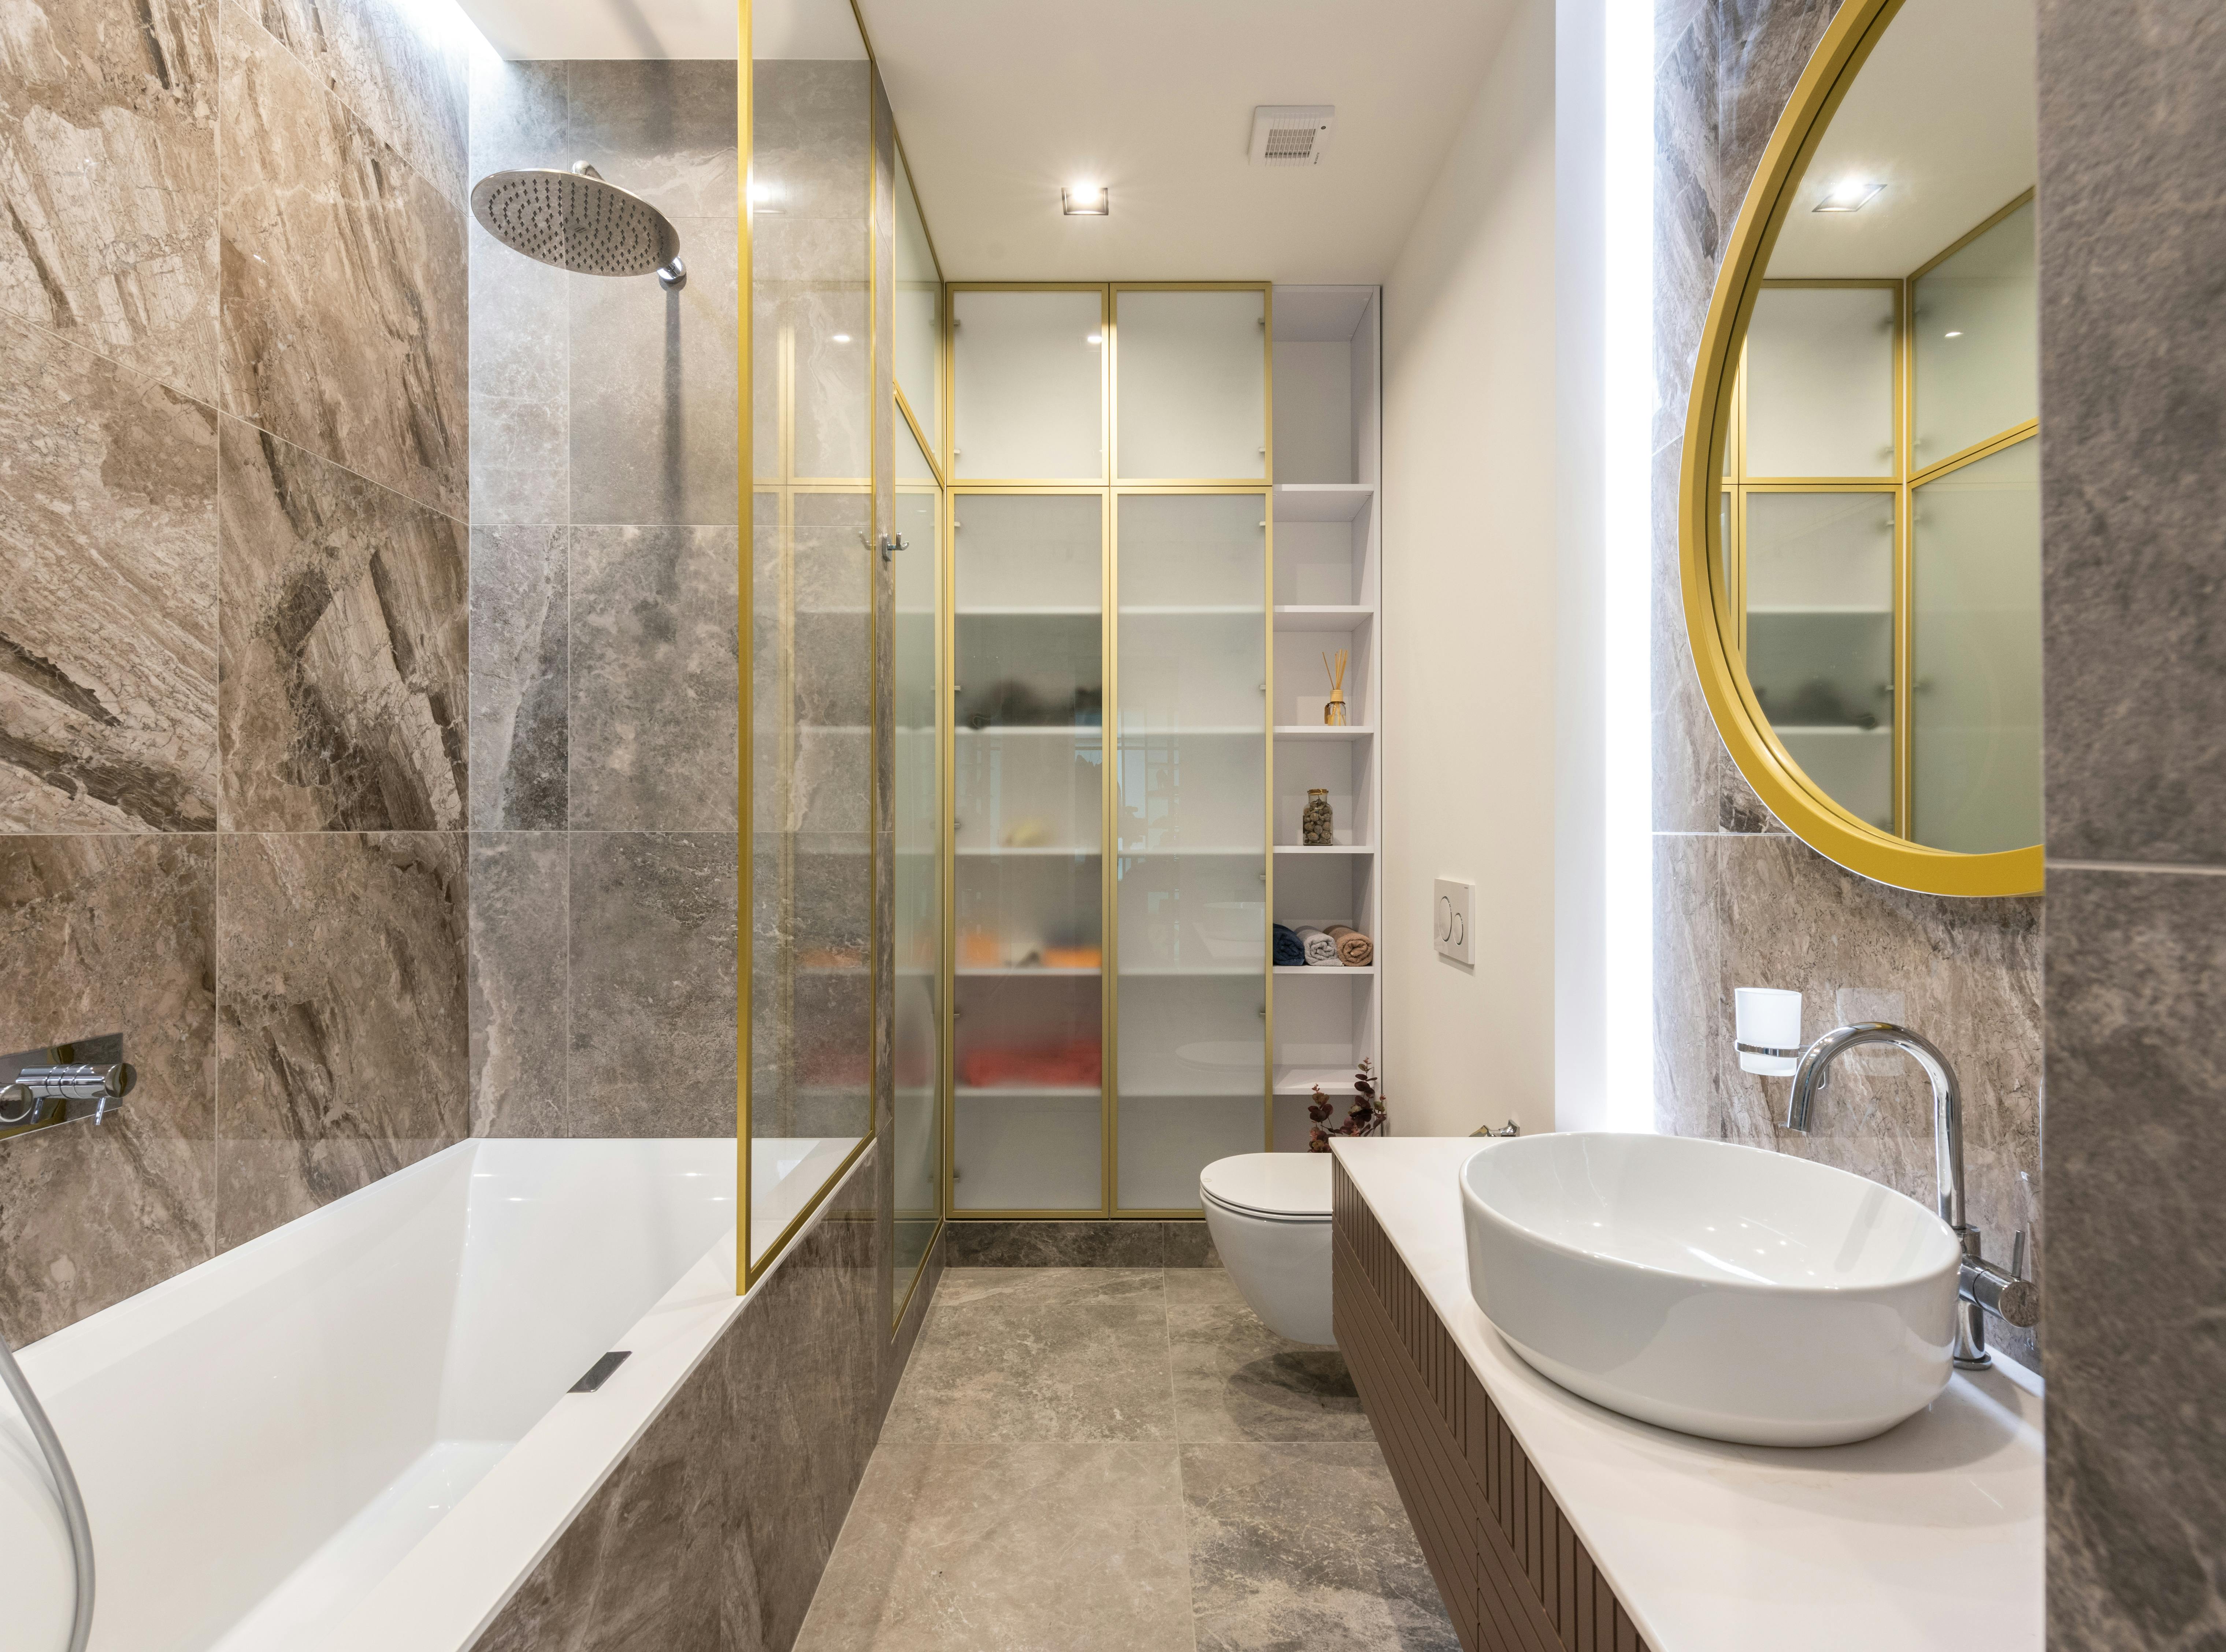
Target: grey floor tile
x,y
1011,1354
1236,1380
1306,1546
1010,1548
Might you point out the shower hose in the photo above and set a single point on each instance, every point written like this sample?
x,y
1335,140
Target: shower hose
x,y
81,1531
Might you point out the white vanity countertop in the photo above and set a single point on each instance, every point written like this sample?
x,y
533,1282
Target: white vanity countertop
x,y
1928,1536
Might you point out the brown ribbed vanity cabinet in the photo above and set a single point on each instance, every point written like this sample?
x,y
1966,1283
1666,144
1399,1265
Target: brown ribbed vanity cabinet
x,y
1514,1577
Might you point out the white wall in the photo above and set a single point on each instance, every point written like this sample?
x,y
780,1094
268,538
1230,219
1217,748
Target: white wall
x,y
1470,589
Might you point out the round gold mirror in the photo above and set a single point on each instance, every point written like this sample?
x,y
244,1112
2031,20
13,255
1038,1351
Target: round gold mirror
x,y
1861,501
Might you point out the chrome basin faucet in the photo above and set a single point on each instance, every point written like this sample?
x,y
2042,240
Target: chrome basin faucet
x,y
1983,1288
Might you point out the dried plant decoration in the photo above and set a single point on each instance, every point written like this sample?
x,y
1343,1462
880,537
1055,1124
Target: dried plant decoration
x,y
1365,1117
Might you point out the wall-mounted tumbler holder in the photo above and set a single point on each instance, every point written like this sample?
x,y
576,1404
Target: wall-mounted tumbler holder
x,y
63,1083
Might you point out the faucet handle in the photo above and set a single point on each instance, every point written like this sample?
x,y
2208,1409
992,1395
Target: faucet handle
x,y
2017,1255
2010,1297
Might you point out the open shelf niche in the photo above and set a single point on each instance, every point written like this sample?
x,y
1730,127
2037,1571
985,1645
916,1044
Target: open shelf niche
x,y
1328,587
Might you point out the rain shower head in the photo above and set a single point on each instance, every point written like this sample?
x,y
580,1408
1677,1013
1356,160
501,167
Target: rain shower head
x,y
577,222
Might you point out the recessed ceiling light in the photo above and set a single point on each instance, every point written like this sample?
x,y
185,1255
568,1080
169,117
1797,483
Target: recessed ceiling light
x,y
1951,335
1849,195
1093,338
840,338
1086,200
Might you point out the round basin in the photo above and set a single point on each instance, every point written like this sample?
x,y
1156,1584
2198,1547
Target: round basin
x,y
1724,1291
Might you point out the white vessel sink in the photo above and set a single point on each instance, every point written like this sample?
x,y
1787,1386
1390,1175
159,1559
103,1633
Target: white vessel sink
x,y
1725,1291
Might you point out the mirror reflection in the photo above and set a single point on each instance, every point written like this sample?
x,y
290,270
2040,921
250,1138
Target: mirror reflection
x,y
1878,549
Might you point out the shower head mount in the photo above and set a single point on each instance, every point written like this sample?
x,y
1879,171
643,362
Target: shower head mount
x,y
578,221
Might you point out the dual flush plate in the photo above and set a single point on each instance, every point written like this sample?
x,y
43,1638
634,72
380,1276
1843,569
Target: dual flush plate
x,y
1452,910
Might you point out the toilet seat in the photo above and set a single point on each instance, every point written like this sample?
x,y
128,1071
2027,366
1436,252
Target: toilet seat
x,y
1276,1186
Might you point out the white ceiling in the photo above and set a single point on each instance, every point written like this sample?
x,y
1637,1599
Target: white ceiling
x,y
1000,102
1943,113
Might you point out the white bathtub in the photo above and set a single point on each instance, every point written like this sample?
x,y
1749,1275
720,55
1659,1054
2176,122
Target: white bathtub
x,y
266,1441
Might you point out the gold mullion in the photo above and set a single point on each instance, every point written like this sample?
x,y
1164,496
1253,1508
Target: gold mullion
x,y
746,558
1976,451
1268,823
1109,864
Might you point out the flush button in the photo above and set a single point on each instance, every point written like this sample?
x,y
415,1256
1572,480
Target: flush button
x,y
1452,908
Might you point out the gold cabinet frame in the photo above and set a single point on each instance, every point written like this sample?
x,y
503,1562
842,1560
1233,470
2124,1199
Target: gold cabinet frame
x,y
1714,625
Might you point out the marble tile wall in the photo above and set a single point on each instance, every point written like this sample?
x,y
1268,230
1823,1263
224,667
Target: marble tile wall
x,y
233,748
1739,901
605,641
2133,235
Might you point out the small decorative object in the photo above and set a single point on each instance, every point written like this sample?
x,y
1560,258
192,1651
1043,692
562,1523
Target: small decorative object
x,y
1333,713
1365,1117
1317,825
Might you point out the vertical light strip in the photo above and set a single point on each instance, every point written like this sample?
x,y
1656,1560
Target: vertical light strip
x,y
1628,587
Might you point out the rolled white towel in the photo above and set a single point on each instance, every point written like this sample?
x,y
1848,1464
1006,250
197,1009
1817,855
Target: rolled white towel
x,y
1320,949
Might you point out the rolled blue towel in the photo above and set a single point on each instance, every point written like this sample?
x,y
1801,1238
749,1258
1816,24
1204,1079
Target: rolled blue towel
x,y
1289,950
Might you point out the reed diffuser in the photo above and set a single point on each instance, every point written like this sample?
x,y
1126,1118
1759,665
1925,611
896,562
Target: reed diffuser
x,y
1333,713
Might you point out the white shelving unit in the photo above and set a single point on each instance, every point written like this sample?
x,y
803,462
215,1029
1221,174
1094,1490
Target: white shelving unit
x,y
1328,523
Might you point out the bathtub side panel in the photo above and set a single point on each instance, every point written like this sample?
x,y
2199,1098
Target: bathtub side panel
x,y
713,1533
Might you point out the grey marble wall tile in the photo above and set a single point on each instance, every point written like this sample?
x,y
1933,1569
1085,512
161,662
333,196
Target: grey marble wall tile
x,y
342,703
108,616
1763,46
520,984
1039,1354
655,678
344,292
1690,221
898,1356
653,967
520,331
402,68
519,113
949,1547
1967,974
521,469
654,398
108,143
1689,1056
2133,235
2136,1065
1688,755
811,138
714,1531
342,1042
1188,1244
105,934
663,129
1236,1380
1305,1545
520,643
1058,1244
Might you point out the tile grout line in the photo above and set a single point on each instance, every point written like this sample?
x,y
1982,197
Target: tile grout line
x,y
1174,1404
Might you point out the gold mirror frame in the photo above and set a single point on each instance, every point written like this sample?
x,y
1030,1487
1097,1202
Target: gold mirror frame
x,y
1803,807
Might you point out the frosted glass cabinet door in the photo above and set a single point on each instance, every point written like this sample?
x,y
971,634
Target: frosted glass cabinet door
x,y
916,354
1192,381
1820,638
1028,791
916,1126
1192,813
1976,585
1978,342
1820,382
1028,386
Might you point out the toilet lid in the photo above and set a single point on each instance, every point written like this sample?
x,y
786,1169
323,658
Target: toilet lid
x,y
1273,1184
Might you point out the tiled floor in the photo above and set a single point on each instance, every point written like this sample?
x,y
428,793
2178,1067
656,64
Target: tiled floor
x,y
1123,1460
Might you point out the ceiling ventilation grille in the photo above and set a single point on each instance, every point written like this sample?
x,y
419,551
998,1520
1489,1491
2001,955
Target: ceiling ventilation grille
x,y
1290,135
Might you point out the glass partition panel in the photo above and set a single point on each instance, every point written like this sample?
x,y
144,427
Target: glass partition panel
x,y
1192,386
1028,828
1819,577
1975,574
811,940
1027,384
1820,382
918,303
1977,329
915,1145
1190,687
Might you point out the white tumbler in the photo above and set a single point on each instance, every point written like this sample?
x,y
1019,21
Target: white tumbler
x,y
1769,1023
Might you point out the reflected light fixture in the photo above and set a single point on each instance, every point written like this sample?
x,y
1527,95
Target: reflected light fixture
x,y
1086,200
1093,338
764,197
1951,335
1849,195
839,337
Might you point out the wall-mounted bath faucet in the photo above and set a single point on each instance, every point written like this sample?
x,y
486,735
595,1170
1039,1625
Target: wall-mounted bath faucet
x,y
62,1083
1983,1287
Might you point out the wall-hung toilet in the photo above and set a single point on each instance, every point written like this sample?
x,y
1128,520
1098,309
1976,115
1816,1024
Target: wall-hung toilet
x,y
1269,1213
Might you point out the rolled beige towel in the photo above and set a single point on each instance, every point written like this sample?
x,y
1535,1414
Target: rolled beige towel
x,y
1321,952
1354,950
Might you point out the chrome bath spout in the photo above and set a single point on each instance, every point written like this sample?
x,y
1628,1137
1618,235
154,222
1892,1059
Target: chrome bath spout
x,y
1982,1288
